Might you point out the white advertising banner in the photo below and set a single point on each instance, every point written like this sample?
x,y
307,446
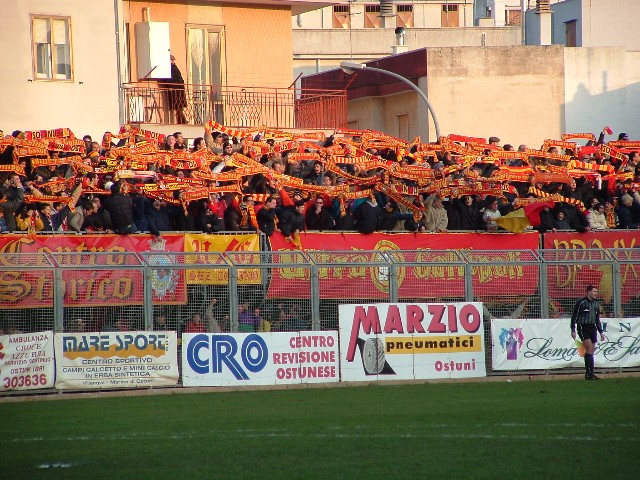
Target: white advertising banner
x,y
273,358
540,344
116,359
26,361
408,341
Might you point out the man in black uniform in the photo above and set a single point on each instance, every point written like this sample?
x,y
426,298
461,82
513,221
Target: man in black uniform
x,y
586,317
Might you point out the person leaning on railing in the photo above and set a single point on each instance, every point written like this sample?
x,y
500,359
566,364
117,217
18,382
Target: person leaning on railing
x,y
627,212
291,219
560,221
76,222
596,217
98,219
436,218
28,219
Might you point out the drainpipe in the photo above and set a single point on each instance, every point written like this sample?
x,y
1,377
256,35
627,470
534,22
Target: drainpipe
x,y
116,14
464,15
523,10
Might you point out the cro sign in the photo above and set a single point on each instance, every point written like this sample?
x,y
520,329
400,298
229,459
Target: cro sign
x,y
259,358
215,353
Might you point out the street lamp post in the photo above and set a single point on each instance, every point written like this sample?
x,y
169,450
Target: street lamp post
x,y
353,67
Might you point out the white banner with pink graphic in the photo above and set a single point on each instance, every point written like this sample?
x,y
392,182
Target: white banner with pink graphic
x,y
540,344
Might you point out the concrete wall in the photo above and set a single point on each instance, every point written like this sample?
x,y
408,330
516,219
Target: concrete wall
x,y
318,50
324,42
602,88
88,104
514,93
520,94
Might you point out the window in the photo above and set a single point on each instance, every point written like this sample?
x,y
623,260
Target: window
x,y
341,16
205,49
404,16
450,16
206,73
51,47
372,17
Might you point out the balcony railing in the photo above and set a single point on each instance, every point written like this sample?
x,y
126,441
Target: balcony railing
x,y
239,107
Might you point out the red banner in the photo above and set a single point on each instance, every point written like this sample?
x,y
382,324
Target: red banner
x,y
424,281
122,284
570,281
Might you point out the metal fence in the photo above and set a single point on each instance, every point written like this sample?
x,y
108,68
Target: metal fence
x,y
296,290
244,107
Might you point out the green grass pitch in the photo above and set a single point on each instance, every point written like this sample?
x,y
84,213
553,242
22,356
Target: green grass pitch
x,y
564,429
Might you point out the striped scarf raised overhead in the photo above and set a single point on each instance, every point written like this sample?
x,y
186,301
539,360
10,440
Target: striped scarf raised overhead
x,y
578,164
586,136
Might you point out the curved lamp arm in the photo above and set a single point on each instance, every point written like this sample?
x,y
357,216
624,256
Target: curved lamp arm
x,y
353,67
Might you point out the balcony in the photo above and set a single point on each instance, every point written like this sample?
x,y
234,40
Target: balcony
x,y
237,107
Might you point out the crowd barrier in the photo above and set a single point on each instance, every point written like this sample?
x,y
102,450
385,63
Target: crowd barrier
x,y
136,292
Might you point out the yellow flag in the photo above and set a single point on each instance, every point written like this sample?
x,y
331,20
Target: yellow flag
x,y
515,222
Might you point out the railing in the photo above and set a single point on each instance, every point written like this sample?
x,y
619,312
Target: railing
x,y
520,284
238,107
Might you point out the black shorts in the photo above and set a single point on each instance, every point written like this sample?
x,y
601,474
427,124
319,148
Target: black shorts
x,y
587,331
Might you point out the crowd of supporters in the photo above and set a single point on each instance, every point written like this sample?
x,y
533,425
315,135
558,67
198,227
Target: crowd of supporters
x,y
271,181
